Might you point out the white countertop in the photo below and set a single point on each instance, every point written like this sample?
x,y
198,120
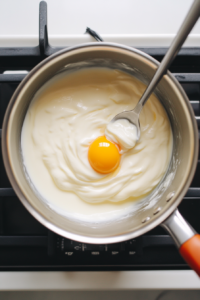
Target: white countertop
x,y
132,22
94,281
137,23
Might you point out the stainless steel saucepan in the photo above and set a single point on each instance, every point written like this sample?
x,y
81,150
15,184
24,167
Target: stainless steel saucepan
x,y
160,207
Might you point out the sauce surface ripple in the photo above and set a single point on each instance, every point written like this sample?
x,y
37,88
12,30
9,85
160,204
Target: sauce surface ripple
x,y
67,115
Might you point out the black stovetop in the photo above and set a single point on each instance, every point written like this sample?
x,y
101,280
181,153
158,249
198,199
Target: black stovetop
x,y
25,244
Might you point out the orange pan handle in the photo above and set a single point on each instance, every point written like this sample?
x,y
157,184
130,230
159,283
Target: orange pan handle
x,y
190,251
186,239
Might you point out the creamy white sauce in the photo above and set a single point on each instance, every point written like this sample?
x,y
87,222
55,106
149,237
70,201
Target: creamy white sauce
x,y
66,115
123,133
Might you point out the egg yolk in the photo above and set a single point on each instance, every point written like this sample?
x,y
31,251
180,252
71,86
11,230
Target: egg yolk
x,y
103,155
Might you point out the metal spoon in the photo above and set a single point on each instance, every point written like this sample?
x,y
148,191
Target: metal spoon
x,y
133,115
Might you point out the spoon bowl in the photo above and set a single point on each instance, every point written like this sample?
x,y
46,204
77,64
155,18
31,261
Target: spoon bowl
x,y
133,117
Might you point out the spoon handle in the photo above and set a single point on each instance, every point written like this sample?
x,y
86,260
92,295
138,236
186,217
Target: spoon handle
x,y
181,36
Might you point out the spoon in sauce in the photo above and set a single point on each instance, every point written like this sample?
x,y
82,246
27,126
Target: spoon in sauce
x,y
132,116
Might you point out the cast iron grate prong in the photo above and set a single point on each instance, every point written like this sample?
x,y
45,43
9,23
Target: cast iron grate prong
x,y
94,34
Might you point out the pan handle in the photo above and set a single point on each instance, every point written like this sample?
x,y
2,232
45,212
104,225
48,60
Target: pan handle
x,y
186,239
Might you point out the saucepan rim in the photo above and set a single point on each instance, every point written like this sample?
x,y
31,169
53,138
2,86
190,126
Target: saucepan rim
x,y
37,214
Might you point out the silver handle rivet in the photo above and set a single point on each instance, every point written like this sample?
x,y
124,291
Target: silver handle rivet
x,y
157,211
169,196
146,219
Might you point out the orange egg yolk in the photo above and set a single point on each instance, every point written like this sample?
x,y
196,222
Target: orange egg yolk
x,y
103,155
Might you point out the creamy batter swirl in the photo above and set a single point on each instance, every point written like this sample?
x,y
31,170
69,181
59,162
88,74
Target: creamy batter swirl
x,y
72,110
